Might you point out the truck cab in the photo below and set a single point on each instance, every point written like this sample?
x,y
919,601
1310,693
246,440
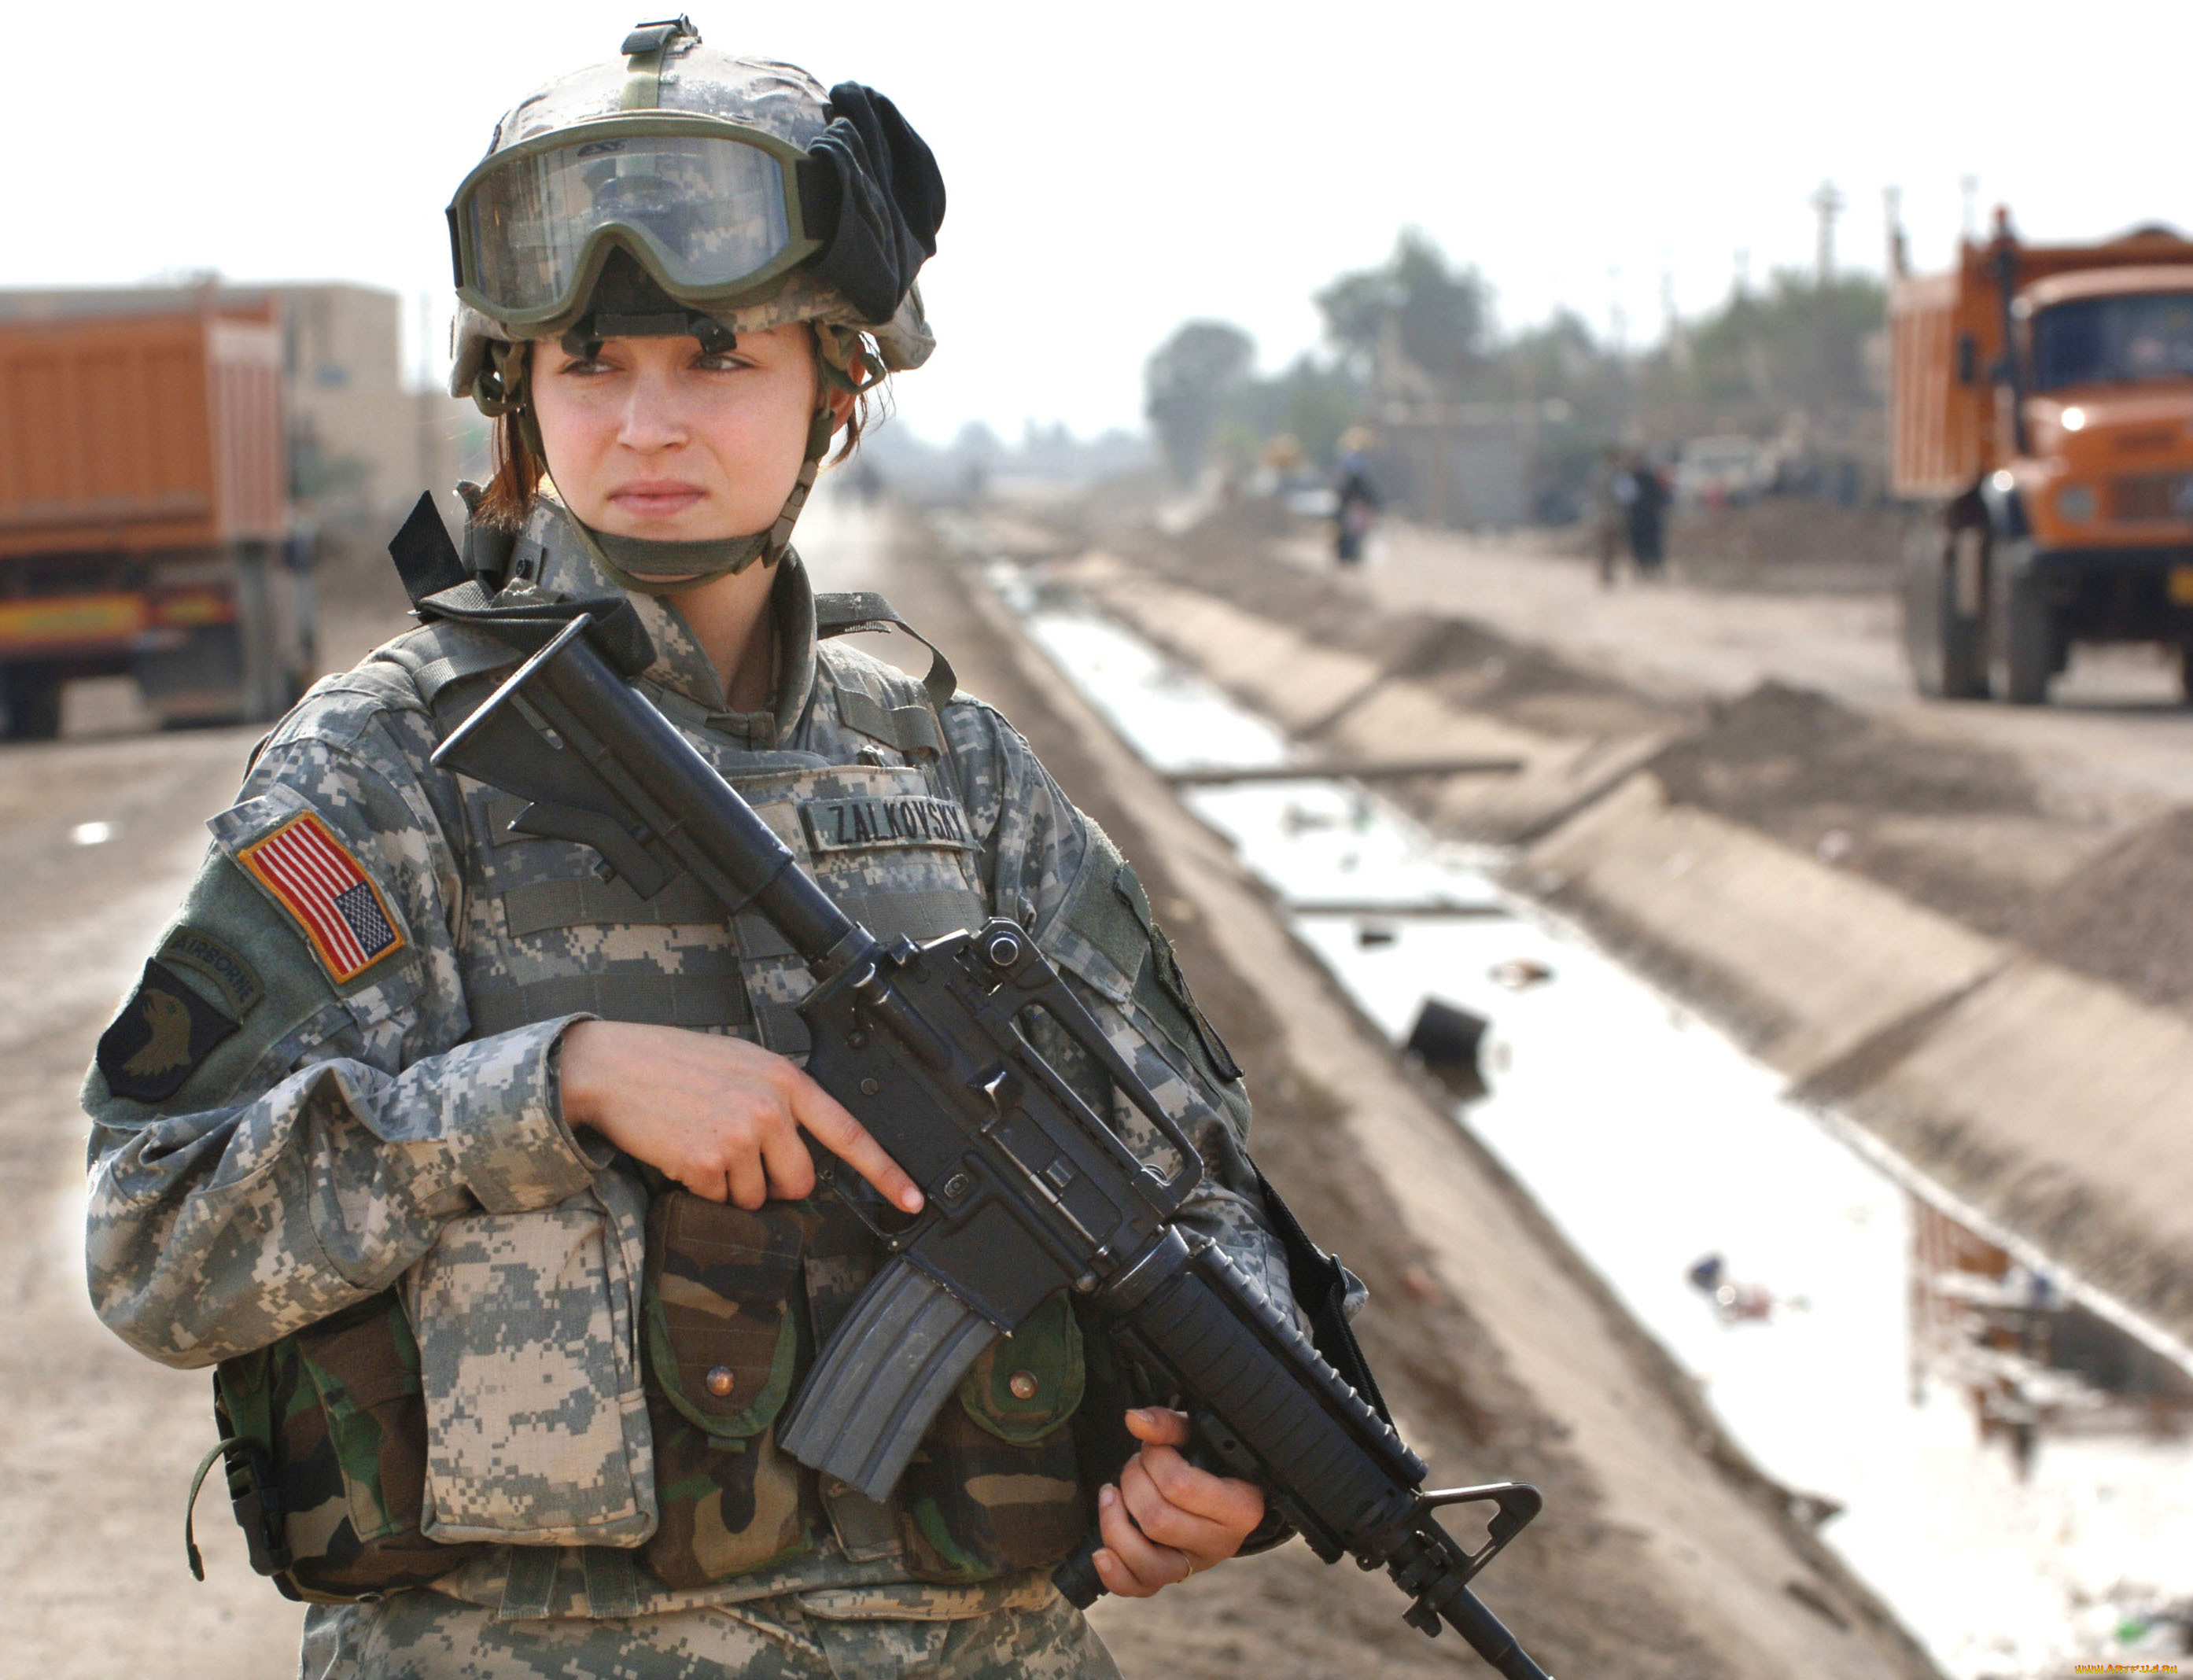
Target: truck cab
x,y
2041,419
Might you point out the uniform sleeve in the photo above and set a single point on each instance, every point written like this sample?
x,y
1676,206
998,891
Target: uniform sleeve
x,y
286,1109
1057,872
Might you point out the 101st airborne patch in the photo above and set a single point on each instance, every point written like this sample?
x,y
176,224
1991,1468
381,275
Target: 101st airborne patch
x,y
311,875
163,1033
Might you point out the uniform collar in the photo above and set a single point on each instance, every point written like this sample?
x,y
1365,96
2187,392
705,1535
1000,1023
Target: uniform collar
x,y
569,570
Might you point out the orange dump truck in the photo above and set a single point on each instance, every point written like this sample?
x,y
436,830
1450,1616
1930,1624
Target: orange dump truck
x,y
2041,409
145,517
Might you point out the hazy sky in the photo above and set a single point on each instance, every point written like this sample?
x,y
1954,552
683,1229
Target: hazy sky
x,y
1116,168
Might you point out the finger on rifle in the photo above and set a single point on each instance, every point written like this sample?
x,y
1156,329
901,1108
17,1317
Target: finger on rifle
x,y
790,1167
1206,1538
1160,1425
1131,1563
1232,1504
826,1120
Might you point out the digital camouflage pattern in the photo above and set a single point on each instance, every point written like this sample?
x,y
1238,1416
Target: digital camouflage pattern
x,y
1019,1630
529,1358
402,1125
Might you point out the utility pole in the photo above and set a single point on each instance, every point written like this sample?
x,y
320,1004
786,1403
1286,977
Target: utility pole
x,y
1617,335
1829,203
1678,341
425,407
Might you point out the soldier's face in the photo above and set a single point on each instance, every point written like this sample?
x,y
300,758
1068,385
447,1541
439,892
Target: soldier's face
x,y
653,438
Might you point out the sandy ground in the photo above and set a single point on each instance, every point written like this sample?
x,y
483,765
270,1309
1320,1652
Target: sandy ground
x,y
2114,735
1654,1560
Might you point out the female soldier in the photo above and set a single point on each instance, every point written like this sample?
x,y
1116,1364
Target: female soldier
x,y
478,1172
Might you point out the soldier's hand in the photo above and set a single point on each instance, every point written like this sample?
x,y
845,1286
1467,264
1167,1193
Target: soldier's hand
x,y
1166,1519
721,1116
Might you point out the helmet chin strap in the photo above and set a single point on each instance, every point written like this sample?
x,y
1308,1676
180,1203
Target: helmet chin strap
x,y
843,363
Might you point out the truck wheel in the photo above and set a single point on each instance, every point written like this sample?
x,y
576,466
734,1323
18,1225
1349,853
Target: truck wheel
x,y
1944,636
33,702
2021,634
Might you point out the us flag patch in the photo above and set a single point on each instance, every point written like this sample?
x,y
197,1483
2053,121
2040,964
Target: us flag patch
x,y
314,879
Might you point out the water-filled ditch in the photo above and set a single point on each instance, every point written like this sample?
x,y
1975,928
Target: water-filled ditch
x,y
1655,1144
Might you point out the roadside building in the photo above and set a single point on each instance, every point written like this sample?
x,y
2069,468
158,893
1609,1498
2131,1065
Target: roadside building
x,y
1467,466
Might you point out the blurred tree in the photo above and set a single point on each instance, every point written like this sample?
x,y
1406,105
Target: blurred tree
x,y
1188,383
1798,344
1313,402
975,440
1559,359
1440,317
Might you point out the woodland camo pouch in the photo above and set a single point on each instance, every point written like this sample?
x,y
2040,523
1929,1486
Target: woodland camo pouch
x,y
996,1485
723,1346
323,1440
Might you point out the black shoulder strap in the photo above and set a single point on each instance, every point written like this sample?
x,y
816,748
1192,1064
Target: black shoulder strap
x,y
859,611
425,559
1319,1282
442,587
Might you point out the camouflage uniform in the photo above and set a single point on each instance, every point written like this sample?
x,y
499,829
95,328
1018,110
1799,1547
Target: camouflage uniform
x,y
1025,1632
297,1112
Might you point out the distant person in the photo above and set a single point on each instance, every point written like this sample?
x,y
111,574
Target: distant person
x,y
1644,495
1608,512
974,481
1356,498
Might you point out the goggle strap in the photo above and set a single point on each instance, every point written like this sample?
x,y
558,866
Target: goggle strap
x,y
642,66
643,81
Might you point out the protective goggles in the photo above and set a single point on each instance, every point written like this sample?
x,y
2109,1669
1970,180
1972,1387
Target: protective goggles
x,y
711,209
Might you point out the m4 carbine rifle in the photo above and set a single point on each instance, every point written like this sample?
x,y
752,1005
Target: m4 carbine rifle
x,y
1029,1191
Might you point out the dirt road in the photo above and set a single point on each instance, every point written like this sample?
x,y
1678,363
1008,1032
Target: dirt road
x,y
100,1443
100,832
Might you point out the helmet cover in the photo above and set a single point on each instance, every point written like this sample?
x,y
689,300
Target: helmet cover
x,y
862,189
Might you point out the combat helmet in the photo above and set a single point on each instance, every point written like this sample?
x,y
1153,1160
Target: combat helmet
x,y
681,190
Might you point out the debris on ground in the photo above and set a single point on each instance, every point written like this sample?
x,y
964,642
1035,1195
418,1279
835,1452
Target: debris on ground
x,y
1519,973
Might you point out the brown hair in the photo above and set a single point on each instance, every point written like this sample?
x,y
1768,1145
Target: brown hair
x,y
519,469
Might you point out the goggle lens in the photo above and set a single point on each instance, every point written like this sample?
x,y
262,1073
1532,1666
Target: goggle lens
x,y
711,209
